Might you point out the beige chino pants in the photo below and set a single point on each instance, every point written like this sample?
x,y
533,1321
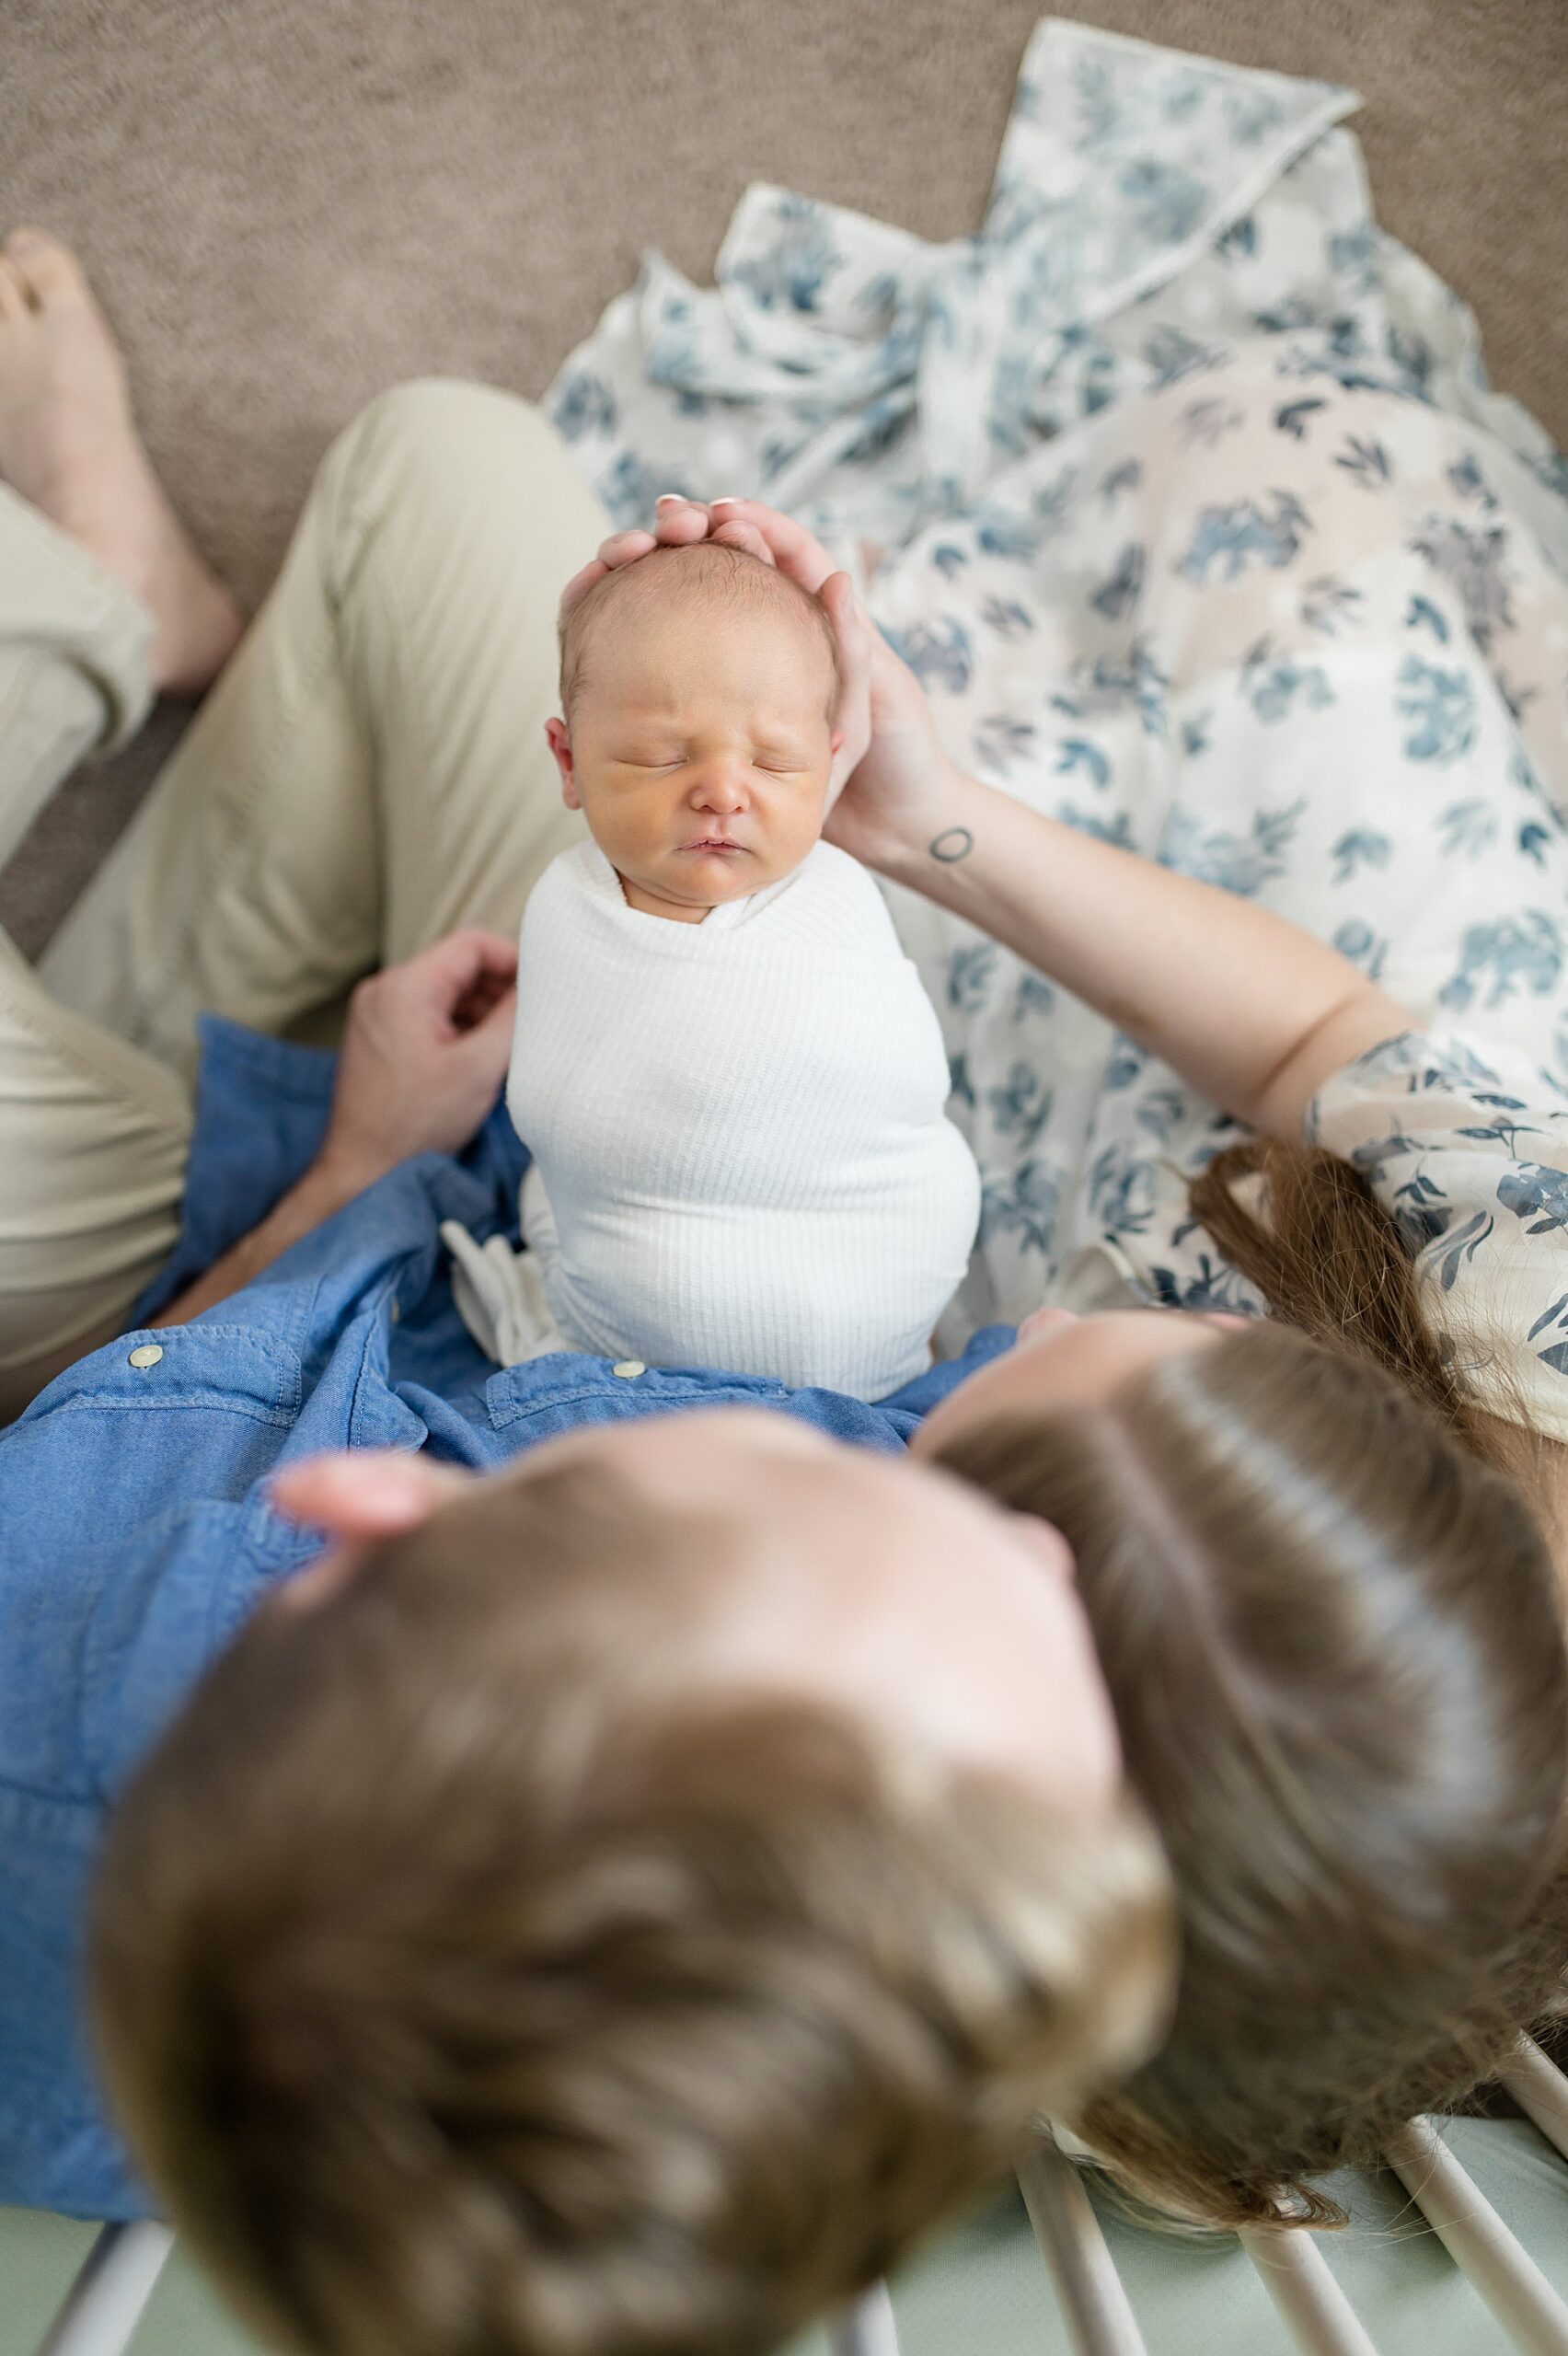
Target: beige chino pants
x,y
370,771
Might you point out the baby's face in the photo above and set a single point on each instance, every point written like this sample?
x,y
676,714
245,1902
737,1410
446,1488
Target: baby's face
x,y
700,754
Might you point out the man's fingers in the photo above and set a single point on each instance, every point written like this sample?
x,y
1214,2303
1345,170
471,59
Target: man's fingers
x,y
462,957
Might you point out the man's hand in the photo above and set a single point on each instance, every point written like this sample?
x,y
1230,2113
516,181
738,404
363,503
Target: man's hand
x,y
424,1053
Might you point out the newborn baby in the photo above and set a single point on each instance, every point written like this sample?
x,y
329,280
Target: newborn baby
x,y
727,1072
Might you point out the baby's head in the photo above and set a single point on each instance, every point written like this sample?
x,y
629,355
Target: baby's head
x,y
701,688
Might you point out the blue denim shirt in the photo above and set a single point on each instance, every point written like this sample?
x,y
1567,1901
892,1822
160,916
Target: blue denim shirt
x,y
137,1535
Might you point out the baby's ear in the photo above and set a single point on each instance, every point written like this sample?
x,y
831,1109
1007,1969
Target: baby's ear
x,y
559,742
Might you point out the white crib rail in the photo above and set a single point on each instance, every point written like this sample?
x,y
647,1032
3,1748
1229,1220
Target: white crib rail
x,y
1478,2241
869,2329
104,2305
1098,2311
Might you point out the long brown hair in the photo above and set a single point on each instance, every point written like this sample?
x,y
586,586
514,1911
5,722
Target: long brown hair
x,y
1332,1632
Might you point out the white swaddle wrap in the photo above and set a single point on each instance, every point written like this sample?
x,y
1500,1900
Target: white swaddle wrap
x,y
740,1155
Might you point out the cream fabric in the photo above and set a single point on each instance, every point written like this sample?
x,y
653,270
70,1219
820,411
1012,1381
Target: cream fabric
x,y
370,771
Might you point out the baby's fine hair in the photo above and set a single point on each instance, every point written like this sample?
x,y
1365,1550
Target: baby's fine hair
x,y
707,574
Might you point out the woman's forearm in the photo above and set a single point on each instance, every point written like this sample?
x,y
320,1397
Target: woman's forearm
x,y
1252,1009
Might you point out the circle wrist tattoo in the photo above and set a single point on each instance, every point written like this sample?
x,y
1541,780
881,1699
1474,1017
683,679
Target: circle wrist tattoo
x,y
956,844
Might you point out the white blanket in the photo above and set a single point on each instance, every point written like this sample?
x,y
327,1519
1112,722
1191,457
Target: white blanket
x,y
741,1157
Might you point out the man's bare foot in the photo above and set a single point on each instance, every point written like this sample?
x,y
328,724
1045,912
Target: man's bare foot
x,y
69,445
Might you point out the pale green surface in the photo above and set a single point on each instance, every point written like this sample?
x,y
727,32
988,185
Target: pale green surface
x,y
983,2291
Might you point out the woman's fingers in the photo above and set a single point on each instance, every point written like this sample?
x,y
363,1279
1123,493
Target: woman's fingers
x,y
736,532
794,549
853,720
680,520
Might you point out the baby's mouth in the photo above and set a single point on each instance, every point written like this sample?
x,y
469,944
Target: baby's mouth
x,y
711,843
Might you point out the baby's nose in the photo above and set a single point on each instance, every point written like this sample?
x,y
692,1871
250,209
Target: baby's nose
x,y
720,788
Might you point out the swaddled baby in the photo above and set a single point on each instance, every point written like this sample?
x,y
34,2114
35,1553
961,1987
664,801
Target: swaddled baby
x,y
727,1072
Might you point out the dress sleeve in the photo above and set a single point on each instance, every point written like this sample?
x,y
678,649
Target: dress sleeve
x,y
1464,1142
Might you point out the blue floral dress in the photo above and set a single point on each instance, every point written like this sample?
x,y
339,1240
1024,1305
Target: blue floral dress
x,y
1204,533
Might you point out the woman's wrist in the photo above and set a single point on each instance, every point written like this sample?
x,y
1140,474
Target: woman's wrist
x,y
925,843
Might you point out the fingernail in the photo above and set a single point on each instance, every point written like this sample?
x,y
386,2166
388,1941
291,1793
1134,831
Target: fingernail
x,y
728,500
25,241
666,498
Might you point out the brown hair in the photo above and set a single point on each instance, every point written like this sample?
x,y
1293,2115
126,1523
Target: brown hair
x,y
708,572
471,1983
1334,1637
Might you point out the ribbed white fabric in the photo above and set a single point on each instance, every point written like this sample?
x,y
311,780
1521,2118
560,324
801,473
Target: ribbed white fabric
x,y
741,1156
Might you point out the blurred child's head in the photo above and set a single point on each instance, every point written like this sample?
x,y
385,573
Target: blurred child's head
x,y
700,688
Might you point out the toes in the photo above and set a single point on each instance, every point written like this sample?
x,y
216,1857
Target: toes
x,y
14,298
46,267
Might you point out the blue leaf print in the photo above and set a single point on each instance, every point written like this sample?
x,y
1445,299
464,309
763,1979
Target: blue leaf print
x,y
1025,1206
1274,690
1050,504
970,971
1362,846
1169,202
1533,841
1468,827
1467,479
1551,1315
949,559
1471,562
795,270
1208,422
1328,602
1006,617
630,490
1356,939
1121,1191
1366,463
1103,687
1292,418
937,653
1161,1112
1171,355
1125,1061
1076,753
1213,1284
1424,614
960,1085
1440,707
1242,237
1195,735
1000,534
1514,952
1117,594
1534,1190
1125,476
1462,1244
1251,116
999,740
1117,830
1098,114
584,405
1021,1106
1240,863
1556,1358
1352,252
1034,995
1267,531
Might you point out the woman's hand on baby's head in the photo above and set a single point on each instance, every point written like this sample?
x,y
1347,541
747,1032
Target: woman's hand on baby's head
x,y
681,522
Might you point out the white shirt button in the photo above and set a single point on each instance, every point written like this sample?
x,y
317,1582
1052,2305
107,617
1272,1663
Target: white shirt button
x,y
148,1354
629,1368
